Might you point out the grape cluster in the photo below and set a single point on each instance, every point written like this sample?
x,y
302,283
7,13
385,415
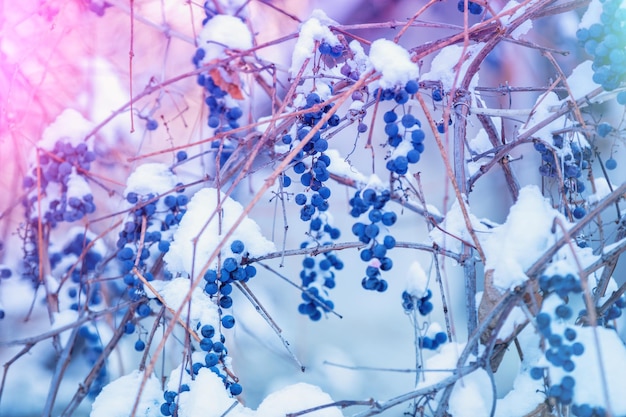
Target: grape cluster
x,y
401,127
169,407
585,410
560,352
313,176
92,349
614,311
433,343
224,113
562,347
370,202
131,252
317,278
422,304
65,167
559,284
334,51
216,354
59,179
572,165
317,144
88,259
220,284
5,272
606,42
472,7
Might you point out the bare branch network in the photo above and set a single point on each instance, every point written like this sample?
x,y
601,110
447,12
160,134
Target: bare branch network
x,y
188,184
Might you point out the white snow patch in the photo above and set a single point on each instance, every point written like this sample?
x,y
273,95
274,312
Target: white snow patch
x,y
522,29
64,318
542,110
580,81
360,60
471,396
393,62
297,397
515,318
514,246
602,190
522,399
417,280
106,95
70,126
592,15
314,29
223,32
454,225
339,166
442,67
479,145
187,257
118,397
588,373
207,397
149,178
77,186
202,310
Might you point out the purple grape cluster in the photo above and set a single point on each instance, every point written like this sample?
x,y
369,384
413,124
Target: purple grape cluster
x,y
561,347
401,127
223,114
60,177
232,270
317,278
373,203
215,356
58,166
129,239
571,165
433,343
472,7
605,41
91,351
585,410
559,284
422,304
170,407
88,260
335,51
318,273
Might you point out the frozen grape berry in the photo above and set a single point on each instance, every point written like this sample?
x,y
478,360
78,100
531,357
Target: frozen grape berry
x,y
152,124
237,246
228,321
610,164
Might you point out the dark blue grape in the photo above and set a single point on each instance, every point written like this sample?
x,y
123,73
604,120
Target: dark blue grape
x,y
228,321
152,124
610,164
237,246
411,87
